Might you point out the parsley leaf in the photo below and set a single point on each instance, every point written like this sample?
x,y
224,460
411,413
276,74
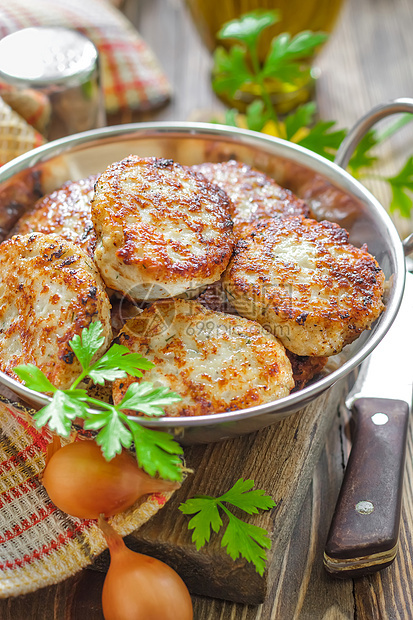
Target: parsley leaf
x,y
322,140
240,71
402,189
249,26
88,343
231,71
117,363
147,399
256,115
302,117
243,497
157,452
246,540
239,538
283,59
362,157
34,378
113,434
206,517
65,406
231,117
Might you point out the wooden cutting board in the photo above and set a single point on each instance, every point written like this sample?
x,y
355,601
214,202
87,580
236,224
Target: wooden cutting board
x,y
280,459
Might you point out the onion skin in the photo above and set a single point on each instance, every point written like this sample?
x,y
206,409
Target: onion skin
x,y
80,481
52,448
138,587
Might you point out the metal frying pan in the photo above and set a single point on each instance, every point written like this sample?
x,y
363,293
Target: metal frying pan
x,y
331,191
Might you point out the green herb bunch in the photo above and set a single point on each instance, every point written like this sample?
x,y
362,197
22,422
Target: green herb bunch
x,y
239,69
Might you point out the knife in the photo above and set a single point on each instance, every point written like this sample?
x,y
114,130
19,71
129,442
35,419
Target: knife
x,y
363,536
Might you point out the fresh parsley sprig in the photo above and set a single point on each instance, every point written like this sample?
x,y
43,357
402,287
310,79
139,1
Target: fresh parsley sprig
x,y
238,70
156,451
239,538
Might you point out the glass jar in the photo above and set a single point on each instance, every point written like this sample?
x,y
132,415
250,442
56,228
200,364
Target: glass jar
x,y
295,16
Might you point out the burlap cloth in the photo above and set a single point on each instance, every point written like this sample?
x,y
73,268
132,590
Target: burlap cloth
x,y
39,544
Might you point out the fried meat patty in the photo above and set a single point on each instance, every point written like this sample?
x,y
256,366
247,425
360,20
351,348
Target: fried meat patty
x,y
65,212
255,196
50,290
162,230
217,362
306,284
304,368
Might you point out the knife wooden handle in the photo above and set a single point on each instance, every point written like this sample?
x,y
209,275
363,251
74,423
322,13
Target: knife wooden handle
x,y
363,536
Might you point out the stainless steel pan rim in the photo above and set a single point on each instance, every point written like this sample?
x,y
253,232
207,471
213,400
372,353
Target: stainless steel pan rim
x,y
284,406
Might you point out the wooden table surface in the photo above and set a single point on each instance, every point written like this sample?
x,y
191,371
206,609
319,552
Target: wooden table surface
x,y
367,61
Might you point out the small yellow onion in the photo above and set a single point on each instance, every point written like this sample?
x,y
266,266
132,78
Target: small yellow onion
x,y
80,481
139,587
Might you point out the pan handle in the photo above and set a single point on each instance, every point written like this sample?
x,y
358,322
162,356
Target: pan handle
x,y
358,131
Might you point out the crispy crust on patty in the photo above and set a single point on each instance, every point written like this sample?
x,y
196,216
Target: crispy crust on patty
x,y
305,283
255,196
162,230
65,212
216,362
50,290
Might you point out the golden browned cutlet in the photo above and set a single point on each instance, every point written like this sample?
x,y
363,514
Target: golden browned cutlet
x,y
255,195
305,368
305,283
217,362
65,212
162,230
50,290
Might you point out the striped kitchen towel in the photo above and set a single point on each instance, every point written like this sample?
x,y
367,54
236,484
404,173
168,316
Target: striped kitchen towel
x,y
39,544
131,75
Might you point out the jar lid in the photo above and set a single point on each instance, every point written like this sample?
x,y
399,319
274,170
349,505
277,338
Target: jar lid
x,y
36,57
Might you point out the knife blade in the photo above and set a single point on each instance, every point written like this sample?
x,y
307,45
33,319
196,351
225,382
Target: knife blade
x,y
363,536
